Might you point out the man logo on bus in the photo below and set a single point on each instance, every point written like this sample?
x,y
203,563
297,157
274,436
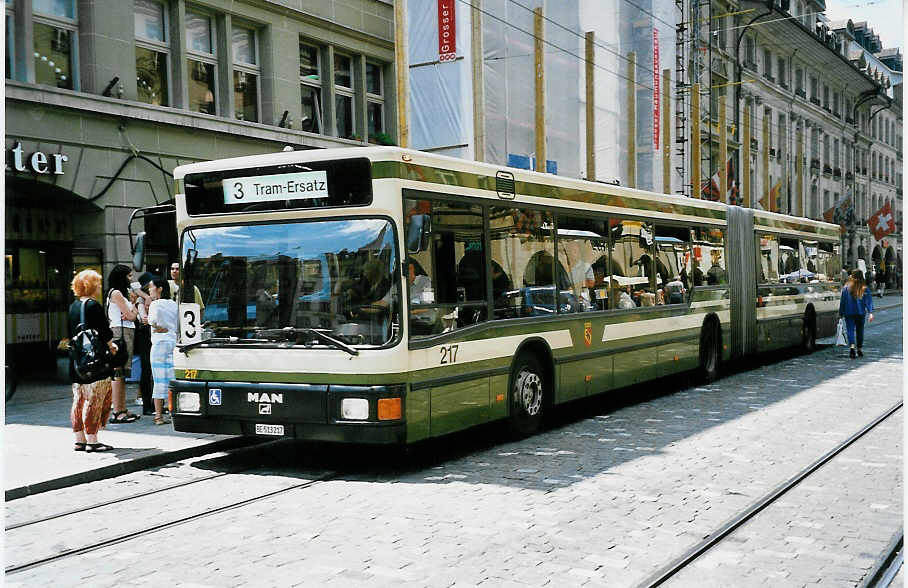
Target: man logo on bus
x,y
265,397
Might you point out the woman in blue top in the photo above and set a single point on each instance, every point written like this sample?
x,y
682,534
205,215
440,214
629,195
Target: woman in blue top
x,y
856,302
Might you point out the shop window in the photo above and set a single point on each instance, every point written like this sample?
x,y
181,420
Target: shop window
x,y
245,75
201,64
55,31
152,53
343,96
310,89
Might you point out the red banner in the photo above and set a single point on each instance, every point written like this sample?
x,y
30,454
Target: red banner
x,y
447,31
882,223
656,92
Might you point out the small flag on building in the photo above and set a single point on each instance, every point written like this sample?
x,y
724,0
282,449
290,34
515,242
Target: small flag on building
x,y
883,222
771,203
710,189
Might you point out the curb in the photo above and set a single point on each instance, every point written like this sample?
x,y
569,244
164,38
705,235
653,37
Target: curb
x,y
128,467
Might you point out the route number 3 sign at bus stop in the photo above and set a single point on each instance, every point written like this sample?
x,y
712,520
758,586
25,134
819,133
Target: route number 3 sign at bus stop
x,y
447,31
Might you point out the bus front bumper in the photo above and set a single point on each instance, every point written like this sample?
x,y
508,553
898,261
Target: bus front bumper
x,y
313,412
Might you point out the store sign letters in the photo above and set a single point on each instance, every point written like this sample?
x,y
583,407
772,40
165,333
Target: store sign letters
x,y
38,162
447,32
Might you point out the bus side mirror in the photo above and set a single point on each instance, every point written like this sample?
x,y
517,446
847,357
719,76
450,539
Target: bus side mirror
x,y
138,252
418,231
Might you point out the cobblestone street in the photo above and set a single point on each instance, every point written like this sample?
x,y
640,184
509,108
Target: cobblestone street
x,y
604,500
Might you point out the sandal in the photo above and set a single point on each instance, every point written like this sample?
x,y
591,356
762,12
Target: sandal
x,y
160,420
97,447
124,416
79,446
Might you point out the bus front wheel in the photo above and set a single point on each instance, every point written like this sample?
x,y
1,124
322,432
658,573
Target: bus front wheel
x,y
527,395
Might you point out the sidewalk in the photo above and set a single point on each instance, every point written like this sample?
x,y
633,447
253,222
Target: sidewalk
x,y
38,441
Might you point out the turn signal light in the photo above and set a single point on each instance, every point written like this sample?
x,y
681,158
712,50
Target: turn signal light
x,y
389,409
170,400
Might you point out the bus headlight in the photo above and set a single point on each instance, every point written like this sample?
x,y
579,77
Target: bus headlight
x,y
355,409
189,402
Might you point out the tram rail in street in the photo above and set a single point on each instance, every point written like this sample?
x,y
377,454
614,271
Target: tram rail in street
x,y
162,526
673,568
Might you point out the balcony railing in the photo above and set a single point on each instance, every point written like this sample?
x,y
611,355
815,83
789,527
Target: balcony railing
x,y
815,101
801,93
827,169
837,173
849,176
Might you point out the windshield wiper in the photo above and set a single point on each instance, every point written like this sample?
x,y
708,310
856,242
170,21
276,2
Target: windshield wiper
x,y
194,344
287,332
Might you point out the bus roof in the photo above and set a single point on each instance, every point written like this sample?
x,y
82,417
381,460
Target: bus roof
x,y
417,168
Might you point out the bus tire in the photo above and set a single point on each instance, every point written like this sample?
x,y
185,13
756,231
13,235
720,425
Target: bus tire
x,y
526,395
809,332
710,351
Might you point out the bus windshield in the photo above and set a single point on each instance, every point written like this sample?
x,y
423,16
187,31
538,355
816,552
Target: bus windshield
x,y
297,282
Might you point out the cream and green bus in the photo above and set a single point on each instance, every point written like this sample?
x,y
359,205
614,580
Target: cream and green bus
x,y
384,295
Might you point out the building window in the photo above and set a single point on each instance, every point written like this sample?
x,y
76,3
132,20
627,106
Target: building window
x,y
151,53
375,101
835,104
201,63
782,72
767,64
55,31
245,75
799,80
10,41
343,96
826,97
310,89
814,90
750,52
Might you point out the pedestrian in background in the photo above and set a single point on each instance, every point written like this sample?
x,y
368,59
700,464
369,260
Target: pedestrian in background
x,y
143,344
855,303
91,400
162,318
121,313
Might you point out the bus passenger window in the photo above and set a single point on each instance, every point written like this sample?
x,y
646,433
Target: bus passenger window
x,y
583,253
769,258
632,278
829,264
522,243
447,278
789,260
673,258
709,253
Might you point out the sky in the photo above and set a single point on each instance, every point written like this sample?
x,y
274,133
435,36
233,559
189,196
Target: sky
x,y
885,17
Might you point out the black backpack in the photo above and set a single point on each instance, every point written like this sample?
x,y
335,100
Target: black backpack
x,y
90,355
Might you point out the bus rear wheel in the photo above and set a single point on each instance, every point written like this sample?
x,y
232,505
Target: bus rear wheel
x,y
526,396
809,333
709,352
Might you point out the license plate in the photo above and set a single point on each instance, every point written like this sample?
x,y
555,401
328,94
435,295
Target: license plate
x,y
269,429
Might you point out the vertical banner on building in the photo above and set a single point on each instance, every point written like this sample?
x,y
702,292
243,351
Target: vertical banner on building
x,y
656,93
447,31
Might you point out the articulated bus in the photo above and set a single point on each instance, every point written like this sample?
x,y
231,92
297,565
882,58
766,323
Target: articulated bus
x,y
384,295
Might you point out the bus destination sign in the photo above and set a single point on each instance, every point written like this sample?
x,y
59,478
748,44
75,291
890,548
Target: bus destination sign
x,y
293,186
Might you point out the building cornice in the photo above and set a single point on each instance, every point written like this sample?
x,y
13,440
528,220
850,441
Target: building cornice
x,y
137,111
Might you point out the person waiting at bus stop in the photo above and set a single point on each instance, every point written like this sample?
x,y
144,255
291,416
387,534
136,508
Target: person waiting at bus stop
x,y
856,302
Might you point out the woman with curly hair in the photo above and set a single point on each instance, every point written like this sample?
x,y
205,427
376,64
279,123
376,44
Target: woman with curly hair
x,y
855,303
91,400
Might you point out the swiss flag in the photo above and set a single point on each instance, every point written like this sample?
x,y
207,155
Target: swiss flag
x,y
882,223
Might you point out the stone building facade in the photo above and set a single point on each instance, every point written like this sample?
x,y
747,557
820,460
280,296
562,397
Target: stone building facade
x,y
104,98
